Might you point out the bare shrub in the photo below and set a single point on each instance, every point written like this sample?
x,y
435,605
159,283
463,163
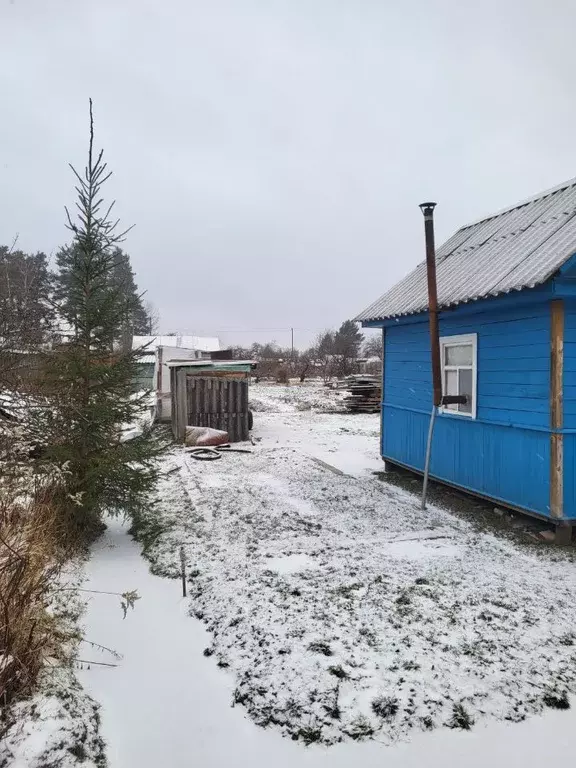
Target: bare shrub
x,y
385,706
282,376
33,549
31,559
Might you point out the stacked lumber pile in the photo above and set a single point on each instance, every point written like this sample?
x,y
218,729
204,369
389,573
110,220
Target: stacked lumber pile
x,y
365,394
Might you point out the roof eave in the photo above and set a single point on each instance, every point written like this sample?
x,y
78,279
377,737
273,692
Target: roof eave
x,y
455,304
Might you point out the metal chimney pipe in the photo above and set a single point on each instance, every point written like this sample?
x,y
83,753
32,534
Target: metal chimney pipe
x,y
428,211
438,399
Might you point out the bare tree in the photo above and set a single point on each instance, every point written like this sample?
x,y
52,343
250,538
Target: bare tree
x,y
152,317
347,343
26,313
304,363
324,353
373,347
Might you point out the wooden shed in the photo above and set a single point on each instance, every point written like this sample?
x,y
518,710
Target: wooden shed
x,y
507,301
211,393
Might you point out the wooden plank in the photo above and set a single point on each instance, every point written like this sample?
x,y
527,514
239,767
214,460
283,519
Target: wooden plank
x,y
556,363
224,384
189,397
230,410
159,403
213,389
556,407
556,475
505,378
219,374
242,411
181,405
201,405
231,425
173,404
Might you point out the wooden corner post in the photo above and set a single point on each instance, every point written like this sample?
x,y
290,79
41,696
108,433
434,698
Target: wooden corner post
x,y
556,408
181,402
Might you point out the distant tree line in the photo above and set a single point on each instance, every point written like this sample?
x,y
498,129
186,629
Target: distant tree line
x,y
334,353
35,299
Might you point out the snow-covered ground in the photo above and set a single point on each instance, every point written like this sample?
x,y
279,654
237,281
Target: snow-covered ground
x,y
59,727
166,704
339,608
303,418
325,609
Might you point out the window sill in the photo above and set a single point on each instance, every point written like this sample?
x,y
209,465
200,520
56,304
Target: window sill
x,y
455,414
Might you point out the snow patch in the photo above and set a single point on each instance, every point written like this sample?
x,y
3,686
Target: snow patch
x,y
421,549
290,564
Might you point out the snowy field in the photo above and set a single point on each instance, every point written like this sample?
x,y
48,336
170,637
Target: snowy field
x,y
329,621
339,609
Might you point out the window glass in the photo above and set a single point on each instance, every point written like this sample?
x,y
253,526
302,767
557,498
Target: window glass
x,y
451,386
458,354
465,388
451,382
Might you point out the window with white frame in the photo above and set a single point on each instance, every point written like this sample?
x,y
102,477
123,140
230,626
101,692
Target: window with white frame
x,y
458,355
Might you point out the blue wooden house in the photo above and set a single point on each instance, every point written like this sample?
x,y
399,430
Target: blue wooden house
x,y
507,301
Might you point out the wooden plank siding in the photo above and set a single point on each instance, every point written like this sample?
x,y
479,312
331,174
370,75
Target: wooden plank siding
x,y
510,353
505,452
220,403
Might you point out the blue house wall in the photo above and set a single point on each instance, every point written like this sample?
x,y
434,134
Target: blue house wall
x,y
504,453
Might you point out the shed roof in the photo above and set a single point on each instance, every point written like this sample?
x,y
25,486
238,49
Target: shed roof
x,y
200,343
517,248
225,364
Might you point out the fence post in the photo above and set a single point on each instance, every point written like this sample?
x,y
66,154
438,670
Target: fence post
x,y
183,570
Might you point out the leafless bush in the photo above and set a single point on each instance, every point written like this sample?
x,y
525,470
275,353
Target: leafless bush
x,y
33,549
282,376
31,559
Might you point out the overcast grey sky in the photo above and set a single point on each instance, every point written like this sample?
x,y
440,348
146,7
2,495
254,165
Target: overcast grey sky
x,y
272,153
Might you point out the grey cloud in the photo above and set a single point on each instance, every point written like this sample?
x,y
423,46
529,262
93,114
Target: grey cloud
x,y
272,154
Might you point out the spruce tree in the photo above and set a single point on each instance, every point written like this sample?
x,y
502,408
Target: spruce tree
x,y
120,278
89,379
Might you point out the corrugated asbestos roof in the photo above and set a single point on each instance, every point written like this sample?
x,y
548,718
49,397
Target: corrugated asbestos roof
x,y
520,247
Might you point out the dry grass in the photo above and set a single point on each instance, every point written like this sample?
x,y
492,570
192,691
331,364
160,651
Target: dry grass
x,y
32,554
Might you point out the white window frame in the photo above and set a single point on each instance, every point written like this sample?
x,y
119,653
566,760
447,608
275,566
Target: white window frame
x,y
452,341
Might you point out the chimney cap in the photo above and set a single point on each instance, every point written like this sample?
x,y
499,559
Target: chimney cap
x,y
427,208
